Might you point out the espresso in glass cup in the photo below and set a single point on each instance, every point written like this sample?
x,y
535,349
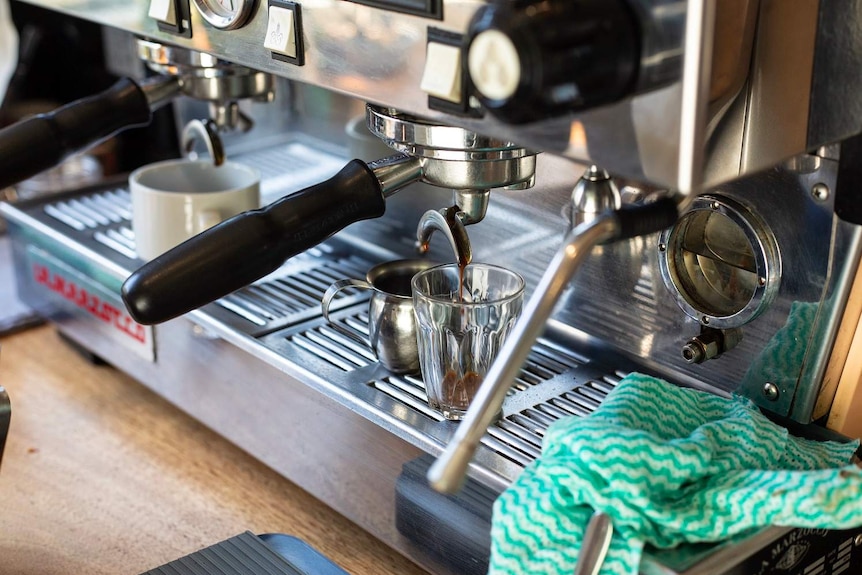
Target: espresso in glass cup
x,y
463,316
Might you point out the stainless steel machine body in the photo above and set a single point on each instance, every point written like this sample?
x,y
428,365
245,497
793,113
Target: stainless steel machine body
x,y
738,106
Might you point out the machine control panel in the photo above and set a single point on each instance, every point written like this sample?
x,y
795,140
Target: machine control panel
x,y
171,16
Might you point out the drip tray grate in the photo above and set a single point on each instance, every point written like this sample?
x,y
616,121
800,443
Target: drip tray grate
x,y
281,313
293,293
554,383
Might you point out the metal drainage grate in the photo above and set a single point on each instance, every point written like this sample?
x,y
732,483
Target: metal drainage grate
x,y
290,167
92,211
293,291
333,347
546,360
518,437
121,239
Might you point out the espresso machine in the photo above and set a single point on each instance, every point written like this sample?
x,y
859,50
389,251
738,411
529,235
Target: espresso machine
x,y
676,180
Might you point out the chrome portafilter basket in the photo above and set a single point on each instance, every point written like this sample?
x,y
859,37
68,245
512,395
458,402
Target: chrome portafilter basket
x,y
450,157
454,157
204,77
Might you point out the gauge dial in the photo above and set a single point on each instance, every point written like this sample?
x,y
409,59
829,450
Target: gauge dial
x,y
225,14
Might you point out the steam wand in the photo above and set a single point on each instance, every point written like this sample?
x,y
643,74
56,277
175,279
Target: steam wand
x,y
447,473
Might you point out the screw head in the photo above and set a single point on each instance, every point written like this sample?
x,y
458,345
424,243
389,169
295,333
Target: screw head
x,y
820,192
770,391
857,541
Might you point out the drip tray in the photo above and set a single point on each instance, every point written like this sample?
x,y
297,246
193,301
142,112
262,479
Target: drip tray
x,y
555,382
278,320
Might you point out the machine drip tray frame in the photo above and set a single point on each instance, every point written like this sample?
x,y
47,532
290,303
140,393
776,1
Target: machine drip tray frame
x,y
281,313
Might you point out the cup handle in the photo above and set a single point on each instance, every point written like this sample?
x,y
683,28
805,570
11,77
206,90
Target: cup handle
x,y
327,300
207,219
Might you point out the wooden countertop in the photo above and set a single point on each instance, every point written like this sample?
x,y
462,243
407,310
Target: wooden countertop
x,y
102,476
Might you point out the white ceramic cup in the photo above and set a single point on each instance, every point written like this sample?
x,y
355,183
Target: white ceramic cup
x,y
177,199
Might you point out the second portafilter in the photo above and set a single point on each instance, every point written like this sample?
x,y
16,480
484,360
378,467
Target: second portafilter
x,y
41,142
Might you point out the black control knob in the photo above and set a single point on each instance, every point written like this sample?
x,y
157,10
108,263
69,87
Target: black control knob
x,y
535,59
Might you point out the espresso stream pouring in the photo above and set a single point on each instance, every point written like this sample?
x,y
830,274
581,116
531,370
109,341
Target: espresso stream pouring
x,y
250,245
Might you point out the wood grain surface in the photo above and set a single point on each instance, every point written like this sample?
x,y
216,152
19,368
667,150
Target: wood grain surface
x,y
101,476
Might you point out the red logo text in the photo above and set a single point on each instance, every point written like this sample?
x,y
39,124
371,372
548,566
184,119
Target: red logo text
x,y
90,302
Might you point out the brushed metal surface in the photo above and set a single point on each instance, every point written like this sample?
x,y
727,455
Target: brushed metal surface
x,y
379,56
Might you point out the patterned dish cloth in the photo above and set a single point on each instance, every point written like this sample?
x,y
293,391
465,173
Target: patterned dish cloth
x,y
669,466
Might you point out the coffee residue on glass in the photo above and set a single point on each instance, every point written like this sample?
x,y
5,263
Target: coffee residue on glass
x,y
459,391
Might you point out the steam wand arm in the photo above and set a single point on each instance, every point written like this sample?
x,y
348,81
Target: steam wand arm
x,y
447,473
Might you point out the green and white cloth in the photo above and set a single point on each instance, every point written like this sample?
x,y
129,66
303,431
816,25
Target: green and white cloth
x,y
669,465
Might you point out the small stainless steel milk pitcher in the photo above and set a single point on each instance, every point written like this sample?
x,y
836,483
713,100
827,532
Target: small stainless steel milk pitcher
x,y
391,322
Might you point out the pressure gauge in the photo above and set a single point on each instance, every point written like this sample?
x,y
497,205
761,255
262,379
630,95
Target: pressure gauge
x,y
225,14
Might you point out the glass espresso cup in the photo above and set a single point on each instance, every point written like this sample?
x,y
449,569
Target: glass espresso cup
x,y
462,320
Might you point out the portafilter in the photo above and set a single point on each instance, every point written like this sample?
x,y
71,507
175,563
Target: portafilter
x,y
253,244
41,142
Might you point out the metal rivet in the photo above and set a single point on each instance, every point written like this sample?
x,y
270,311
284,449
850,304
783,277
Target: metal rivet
x,y
820,192
858,540
704,320
770,391
662,247
761,282
715,205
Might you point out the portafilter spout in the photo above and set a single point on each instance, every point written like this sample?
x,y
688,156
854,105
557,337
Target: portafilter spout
x,y
450,223
447,473
470,208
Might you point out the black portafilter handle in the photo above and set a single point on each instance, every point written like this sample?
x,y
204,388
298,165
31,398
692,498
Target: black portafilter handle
x,y
41,142
248,246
